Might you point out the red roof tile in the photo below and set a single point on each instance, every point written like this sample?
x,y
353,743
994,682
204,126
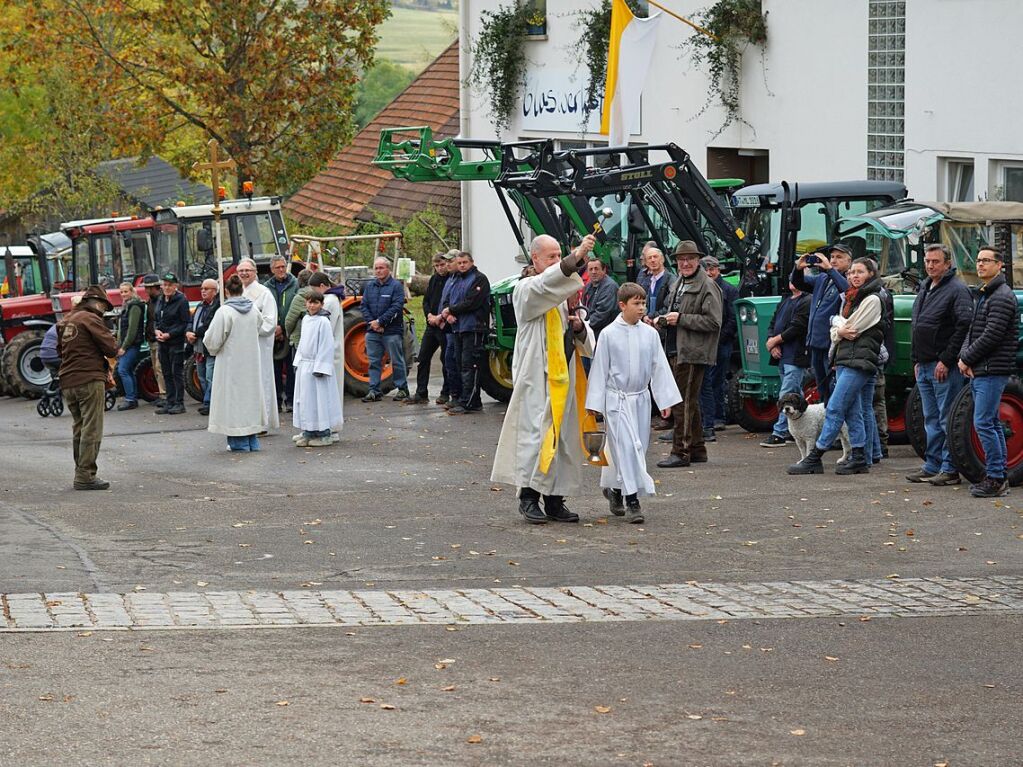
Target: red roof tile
x,y
352,189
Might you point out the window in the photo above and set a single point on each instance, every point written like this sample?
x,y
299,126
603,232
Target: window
x,y
167,249
959,181
200,264
139,255
1012,183
256,237
81,263
886,77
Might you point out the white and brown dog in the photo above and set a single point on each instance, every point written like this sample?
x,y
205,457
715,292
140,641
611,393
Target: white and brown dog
x,y
806,422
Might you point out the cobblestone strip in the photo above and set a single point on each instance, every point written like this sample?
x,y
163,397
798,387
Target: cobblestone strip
x,y
141,610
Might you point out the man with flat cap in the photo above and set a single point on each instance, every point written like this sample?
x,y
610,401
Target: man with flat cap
x,y
540,449
85,342
172,318
826,289
692,317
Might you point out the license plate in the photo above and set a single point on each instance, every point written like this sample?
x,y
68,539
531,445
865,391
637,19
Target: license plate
x,y
751,346
745,201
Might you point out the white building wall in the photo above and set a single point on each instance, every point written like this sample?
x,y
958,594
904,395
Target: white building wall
x,y
805,98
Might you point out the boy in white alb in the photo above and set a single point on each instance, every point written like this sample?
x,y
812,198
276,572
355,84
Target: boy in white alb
x,y
628,364
317,404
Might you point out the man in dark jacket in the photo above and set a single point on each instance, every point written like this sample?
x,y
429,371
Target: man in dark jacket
x,y
201,319
655,280
787,346
149,295
941,317
693,321
988,358
600,297
131,332
381,305
433,336
85,342
283,286
171,319
468,314
712,393
826,289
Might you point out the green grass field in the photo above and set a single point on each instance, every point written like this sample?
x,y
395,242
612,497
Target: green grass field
x,y
414,38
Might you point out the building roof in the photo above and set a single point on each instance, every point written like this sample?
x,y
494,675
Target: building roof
x,y
154,184
351,189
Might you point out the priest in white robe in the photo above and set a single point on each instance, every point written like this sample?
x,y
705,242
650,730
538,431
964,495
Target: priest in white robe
x,y
540,450
317,404
628,364
237,408
265,302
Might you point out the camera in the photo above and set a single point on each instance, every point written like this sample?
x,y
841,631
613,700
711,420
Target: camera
x,y
813,259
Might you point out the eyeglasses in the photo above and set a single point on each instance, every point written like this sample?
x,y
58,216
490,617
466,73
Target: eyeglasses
x,y
986,261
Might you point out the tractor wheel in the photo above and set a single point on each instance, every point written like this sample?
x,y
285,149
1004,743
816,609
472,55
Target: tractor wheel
x,y
751,414
914,417
145,380
357,361
23,367
192,385
496,379
963,444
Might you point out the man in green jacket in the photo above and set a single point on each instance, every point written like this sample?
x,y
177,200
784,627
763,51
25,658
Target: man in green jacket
x,y
85,343
283,285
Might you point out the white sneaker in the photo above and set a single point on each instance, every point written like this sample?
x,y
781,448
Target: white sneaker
x,y
296,437
335,437
320,442
302,441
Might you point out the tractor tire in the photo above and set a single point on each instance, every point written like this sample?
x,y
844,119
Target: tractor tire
x,y
752,415
192,385
357,361
963,444
496,379
23,367
914,416
145,380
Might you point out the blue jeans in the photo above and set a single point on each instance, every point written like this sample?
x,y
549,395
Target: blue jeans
x,y
205,371
394,345
126,371
249,444
791,381
936,398
819,365
454,373
846,406
872,439
712,391
987,394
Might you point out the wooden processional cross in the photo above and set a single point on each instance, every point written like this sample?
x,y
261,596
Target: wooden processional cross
x,y
214,166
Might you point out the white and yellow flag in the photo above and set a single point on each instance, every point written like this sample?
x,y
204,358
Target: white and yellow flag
x,y
631,45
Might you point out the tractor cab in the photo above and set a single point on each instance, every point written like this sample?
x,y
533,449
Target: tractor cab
x,y
22,272
186,244
108,252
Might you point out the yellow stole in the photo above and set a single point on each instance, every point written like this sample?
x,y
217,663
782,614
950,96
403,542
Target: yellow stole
x,y
558,381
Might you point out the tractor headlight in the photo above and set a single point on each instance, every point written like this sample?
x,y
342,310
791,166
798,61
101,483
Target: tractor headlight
x,y
743,313
753,314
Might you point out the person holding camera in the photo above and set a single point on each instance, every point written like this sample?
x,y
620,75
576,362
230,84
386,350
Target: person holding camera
x,y
826,290
381,305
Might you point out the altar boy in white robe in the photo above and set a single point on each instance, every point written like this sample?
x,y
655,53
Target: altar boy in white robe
x,y
317,404
628,364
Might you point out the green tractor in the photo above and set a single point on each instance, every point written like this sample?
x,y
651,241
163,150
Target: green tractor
x,y
784,222
618,194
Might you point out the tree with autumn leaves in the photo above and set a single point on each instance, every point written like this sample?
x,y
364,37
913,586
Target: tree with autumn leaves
x,y
274,81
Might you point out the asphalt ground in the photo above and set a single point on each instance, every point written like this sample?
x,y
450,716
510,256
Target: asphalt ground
x,y
405,502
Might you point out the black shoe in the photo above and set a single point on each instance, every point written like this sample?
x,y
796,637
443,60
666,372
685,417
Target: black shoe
x,y
990,487
774,441
884,451
944,479
698,458
555,509
529,506
614,500
634,515
94,484
457,410
669,437
127,405
673,462
811,463
708,435
920,476
204,410
400,396
372,396
175,410
159,402
442,399
857,463
418,399
162,410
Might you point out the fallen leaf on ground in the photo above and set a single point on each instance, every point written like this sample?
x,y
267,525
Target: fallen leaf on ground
x,y
401,680
282,703
387,707
602,709
449,688
797,732
474,739
830,657
366,700
694,716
